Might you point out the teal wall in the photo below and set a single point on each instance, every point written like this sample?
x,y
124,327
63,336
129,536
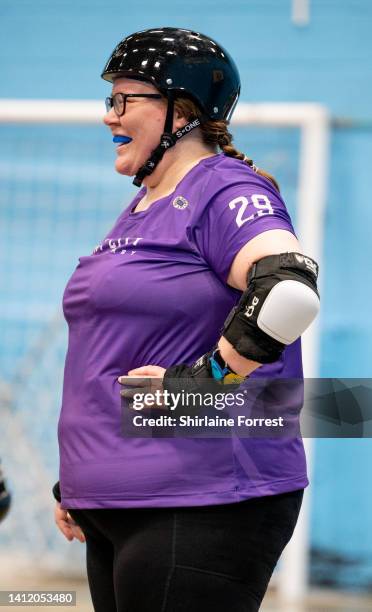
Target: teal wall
x,y
58,49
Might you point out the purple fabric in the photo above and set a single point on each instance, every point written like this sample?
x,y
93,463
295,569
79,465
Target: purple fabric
x,y
154,292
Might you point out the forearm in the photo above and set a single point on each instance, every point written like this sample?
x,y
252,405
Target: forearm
x,y
279,303
236,362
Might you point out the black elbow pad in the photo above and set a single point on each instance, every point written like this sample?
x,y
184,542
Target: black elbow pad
x,y
280,302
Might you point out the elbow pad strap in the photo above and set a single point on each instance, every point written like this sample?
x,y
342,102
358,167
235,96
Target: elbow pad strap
x,y
279,304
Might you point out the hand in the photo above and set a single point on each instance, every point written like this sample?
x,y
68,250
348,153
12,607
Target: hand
x,y
67,525
142,385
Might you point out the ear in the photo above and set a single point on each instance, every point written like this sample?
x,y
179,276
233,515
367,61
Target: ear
x,y
179,119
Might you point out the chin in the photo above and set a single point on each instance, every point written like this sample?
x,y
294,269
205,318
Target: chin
x,y
124,168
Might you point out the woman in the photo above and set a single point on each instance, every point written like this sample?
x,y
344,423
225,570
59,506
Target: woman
x,y
176,524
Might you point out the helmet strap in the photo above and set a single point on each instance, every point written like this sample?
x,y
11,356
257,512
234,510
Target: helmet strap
x,y
167,140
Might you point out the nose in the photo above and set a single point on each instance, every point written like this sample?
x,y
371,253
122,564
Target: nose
x,y
110,118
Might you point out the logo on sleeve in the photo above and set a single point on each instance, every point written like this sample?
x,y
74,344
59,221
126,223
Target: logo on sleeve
x,y
180,202
307,262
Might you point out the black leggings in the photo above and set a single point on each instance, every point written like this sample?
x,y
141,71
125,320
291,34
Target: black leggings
x,y
198,559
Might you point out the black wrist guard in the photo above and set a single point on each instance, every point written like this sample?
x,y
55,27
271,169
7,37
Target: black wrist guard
x,y
209,374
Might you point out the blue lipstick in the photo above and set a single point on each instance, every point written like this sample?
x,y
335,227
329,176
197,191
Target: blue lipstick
x,y
122,139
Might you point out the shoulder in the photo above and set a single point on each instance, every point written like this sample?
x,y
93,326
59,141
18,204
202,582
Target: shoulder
x,y
226,178
226,192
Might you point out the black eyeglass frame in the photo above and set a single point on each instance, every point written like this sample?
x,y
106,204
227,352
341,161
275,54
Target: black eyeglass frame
x,y
110,100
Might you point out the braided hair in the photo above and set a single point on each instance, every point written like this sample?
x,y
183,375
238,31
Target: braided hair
x,y
215,133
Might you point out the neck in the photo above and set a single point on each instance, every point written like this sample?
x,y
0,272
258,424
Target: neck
x,y
175,164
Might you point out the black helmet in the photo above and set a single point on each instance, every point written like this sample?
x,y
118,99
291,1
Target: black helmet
x,y
182,63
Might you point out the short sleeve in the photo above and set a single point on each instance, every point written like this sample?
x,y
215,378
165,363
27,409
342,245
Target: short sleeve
x,y
234,216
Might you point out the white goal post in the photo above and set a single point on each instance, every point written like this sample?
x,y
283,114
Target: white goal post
x,y
313,121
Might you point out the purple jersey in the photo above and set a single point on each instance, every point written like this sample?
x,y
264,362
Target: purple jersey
x,y
154,292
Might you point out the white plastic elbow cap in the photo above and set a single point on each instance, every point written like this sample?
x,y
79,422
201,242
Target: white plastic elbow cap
x,y
288,310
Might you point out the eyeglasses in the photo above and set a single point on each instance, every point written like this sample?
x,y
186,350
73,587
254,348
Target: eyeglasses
x,y
119,100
